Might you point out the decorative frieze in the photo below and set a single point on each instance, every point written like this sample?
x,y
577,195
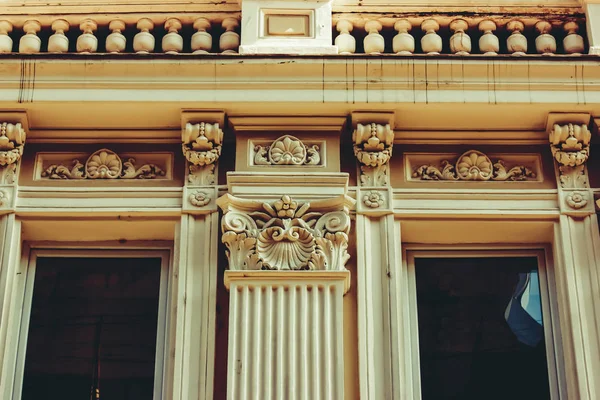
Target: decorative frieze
x,y
285,234
373,144
474,165
102,164
287,150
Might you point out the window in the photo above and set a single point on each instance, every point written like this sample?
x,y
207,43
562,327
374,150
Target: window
x,y
93,327
484,326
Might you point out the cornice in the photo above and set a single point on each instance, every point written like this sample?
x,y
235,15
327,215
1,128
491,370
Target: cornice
x,y
307,79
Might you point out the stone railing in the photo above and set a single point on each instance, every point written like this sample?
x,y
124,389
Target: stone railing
x,y
441,34
99,34
354,34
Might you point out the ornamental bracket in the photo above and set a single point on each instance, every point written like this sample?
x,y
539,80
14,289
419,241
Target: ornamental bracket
x,y
13,133
570,138
373,141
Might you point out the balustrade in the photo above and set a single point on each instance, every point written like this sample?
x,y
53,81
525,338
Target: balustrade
x,y
204,34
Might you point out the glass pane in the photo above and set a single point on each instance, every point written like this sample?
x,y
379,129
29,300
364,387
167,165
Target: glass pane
x,y
92,331
481,332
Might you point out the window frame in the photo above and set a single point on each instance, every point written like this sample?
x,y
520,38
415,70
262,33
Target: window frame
x,y
161,353
548,298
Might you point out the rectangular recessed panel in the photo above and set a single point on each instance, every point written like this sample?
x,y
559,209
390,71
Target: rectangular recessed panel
x,y
287,25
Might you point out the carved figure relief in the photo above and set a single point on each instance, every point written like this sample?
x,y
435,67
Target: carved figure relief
x,y
373,144
202,148
103,164
473,166
284,235
287,150
570,146
12,141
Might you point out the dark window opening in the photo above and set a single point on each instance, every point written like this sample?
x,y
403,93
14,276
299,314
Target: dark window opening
x,y
93,329
481,332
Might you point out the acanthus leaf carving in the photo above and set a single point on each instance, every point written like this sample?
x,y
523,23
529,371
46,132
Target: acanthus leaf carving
x,y
570,146
12,141
373,145
473,165
201,143
103,164
283,235
287,150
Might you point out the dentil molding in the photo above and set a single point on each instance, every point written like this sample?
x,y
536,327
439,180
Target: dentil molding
x,y
286,234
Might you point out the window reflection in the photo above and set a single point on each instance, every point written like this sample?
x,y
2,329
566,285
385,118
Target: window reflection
x,y
481,332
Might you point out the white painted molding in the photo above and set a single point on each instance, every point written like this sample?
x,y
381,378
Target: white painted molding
x,y
286,334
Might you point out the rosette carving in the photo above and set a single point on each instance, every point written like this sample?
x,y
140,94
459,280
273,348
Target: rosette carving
x,y
473,166
202,143
12,141
570,144
287,150
285,234
373,144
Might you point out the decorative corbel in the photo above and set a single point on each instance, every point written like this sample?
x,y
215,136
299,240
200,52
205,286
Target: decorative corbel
x,y
202,138
373,140
286,234
569,138
13,133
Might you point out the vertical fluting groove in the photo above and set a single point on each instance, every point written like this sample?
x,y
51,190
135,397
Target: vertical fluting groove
x,y
292,356
315,364
234,338
337,329
305,340
280,343
322,345
257,357
245,332
329,368
268,346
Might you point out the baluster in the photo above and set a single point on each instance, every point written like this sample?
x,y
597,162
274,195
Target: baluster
x,y
172,42
6,42
489,44
404,42
431,42
116,42
202,40
30,43
229,40
59,42
87,42
373,42
516,42
460,42
143,41
545,43
345,42
573,43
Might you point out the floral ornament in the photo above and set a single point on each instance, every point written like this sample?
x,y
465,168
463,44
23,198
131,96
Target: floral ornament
x,y
373,144
373,199
4,200
473,166
576,200
283,235
201,143
570,144
286,207
199,198
287,150
103,164
12,140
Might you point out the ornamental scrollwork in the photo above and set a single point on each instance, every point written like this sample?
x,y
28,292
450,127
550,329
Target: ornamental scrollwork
x,y
570,144
12,141
202,143
103,164
287,150
285,234
473,166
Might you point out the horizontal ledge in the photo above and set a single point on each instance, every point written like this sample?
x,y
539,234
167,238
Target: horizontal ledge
x,y
286,279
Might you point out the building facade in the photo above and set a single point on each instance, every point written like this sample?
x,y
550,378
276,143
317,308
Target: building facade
x,y
273,199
